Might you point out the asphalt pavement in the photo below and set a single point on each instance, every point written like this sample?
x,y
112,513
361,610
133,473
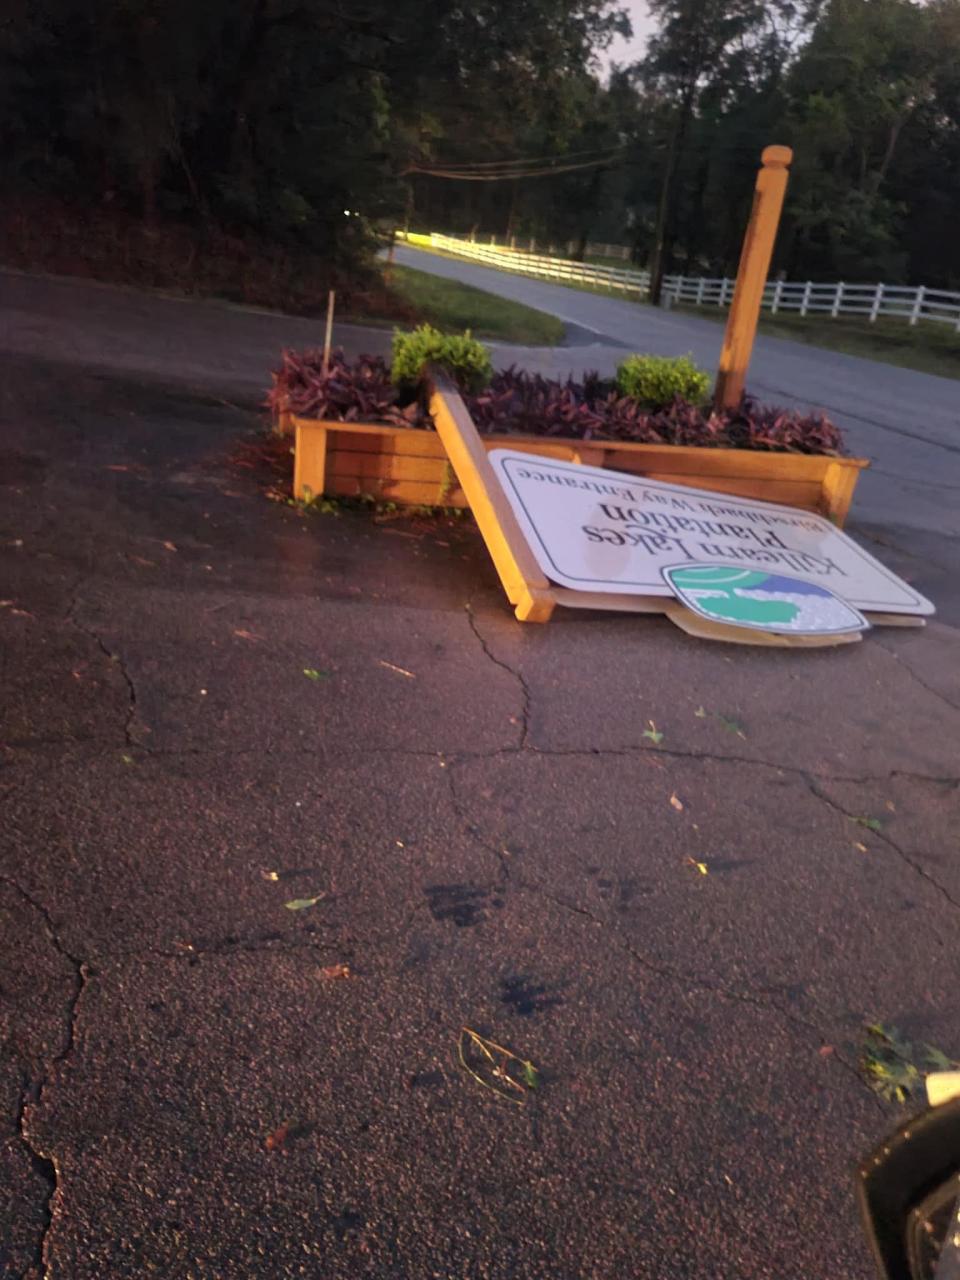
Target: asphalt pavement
x,y
198,836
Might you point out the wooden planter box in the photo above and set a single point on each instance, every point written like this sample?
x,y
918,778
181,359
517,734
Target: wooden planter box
x,y
409,466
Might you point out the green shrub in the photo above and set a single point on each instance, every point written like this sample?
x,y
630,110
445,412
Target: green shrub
x,y
656,381
464,358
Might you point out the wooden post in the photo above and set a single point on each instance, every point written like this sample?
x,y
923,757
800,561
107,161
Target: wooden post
x,y
327,337
837,300
525,584
752,276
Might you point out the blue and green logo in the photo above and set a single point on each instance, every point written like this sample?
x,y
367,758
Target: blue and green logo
x,y
764,601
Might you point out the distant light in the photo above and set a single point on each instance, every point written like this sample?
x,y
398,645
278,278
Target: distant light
x,y
346,213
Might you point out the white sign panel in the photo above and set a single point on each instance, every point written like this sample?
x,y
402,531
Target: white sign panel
x,y
597,530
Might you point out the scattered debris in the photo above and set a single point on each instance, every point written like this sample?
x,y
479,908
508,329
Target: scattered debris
x,y
676,802
246,635
146,564
301,904
653,733
872,824
825,1050
732,726
313,674
127,759
169,546
270,875
274,1141
335,971
498,1069
701,713
401,671
858,844
895,1068
700,866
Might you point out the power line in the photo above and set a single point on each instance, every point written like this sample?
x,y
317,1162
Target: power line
x,y
533,160
506,174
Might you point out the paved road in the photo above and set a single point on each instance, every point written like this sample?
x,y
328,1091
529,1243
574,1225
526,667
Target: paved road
x,y
490,839
907,423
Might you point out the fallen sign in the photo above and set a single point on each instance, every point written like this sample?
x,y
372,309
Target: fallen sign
x,y
597,530
585,537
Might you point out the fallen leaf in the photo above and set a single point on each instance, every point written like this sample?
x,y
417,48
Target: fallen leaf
x,y
335,971
872,824
274,1141
700,866
246,635
169,546
677,803
127,759
301,904
270,875
825,1050
401,671
498,1069
313,674
891,806
700,713
858,844
732,726
21,613
653,733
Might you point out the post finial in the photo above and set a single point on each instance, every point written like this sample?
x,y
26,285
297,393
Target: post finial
x,y
777,157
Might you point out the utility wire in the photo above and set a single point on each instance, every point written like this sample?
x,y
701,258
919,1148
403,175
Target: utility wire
x,y
533,160
509,173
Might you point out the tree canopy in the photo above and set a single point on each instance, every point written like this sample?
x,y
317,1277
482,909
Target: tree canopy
x,y
322,122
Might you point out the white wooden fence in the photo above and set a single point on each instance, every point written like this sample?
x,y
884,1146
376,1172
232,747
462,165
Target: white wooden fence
x,y
908,302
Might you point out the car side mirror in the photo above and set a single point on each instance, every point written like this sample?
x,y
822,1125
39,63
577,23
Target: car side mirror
x,y
909,1194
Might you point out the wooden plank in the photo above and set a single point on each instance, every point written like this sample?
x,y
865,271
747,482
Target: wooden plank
x,y
412,444
416,493
792,493
838,486
526,586
704,629
894,619
609,600
388,466
706,463
361,428
309,462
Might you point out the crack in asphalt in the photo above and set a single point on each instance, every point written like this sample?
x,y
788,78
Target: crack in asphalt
x,y
472,830
117,660
458,756
33,1089
905,857
504,666
901,661
694,983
